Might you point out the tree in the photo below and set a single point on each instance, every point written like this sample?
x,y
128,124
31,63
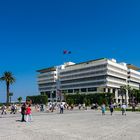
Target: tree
x,y
37,99
124,90
86,101
19,99
9,79
10,96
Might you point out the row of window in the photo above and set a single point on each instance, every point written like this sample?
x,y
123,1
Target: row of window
x,y
118,69
133,82
47,88
116,73
82,90
116,78
116,84
134,74
84,79
47,84
103,77
84,74
132,78
47,75
53,93
84,69
84,84
46,81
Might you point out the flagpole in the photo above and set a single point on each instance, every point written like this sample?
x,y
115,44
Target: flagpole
x,y
66,53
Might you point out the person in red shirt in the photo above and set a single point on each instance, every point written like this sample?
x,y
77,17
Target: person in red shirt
x,y
28,113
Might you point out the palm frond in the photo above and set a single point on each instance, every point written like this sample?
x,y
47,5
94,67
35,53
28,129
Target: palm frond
x,y
8,77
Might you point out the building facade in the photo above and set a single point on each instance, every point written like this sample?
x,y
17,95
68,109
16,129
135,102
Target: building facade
x,y
96,76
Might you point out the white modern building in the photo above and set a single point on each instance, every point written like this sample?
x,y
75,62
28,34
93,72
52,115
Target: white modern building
x,y
101,75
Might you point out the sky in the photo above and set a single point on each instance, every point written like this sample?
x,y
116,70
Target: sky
x,y
33,35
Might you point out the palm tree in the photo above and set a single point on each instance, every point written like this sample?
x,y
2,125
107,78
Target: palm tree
x,y
133,95
10,96
124,89
9,79
19,99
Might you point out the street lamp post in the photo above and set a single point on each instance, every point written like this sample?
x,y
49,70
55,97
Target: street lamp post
x,y
106,98
10,95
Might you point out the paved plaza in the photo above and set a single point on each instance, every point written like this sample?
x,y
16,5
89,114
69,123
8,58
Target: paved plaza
x,y
72,125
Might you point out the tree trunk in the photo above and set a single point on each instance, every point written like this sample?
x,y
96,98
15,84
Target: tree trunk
x,y
122,97
7,90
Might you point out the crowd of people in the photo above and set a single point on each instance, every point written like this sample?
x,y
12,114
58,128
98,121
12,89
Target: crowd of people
x,y
13,109
26,111
103,107
112,107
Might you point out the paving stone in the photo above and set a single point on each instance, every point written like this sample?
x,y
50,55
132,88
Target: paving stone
x,y
72,125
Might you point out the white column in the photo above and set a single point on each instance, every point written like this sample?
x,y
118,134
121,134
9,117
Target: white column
x,y
106,90
111,90
127,97
51,95
73,91
116,95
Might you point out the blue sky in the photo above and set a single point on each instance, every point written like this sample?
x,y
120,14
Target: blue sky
x,y
33,35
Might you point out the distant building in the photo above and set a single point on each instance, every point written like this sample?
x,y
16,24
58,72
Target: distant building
x,y
101,75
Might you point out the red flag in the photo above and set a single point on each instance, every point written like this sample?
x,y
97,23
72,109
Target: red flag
x,y
66,52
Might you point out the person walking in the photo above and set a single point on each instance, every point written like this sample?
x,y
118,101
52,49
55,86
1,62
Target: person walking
x,y
23,109
123,107
111,107
79,106
28,113
15,109
3,110
61,108
96,106
12,109
103,109
133,106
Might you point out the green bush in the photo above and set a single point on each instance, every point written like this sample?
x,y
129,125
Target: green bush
x,y
1,104
70,101
88,99
128,109
38,99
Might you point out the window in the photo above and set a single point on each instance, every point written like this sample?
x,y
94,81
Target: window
x,y
114,90
76,90
92,89
83,90
70,91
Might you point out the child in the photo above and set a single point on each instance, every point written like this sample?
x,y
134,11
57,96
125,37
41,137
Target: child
x,y
28,113
103,109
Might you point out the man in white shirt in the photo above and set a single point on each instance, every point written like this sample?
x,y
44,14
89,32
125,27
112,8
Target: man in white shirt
x,y
123,107
61,108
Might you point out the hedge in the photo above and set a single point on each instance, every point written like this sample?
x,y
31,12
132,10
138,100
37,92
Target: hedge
x,y
88,99
38,99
